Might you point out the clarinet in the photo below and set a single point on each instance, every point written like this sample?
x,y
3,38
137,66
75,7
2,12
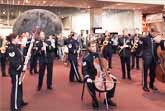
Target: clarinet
x,y
28,56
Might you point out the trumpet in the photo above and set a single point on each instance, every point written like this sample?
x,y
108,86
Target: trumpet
x,y
135,45
105,42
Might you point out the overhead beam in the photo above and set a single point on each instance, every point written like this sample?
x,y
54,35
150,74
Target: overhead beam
x,y
156,2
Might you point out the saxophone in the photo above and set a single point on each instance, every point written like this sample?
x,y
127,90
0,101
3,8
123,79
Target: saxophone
x,y
3,47
135,45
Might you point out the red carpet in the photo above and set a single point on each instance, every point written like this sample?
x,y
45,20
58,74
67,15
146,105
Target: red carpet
x,y
65,96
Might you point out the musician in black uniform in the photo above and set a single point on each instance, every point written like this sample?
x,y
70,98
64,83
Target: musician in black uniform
x,y
90,72
107,50
3,57
34,56
136,49
16,60
149,60
73,47
45,52
56,47
125,53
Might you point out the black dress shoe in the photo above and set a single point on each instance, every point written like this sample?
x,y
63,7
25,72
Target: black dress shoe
x,y
35,72
71,80
132,67
146,89
39,89
16,110
123,77
153,88
24,104
138,68
49,88
80,81
129,78
110,103
4,75
95,105
31,72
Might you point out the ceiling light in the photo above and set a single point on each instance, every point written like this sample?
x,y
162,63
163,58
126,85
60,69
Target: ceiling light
x,y
4,12
18,2
119,4
26,1
44,2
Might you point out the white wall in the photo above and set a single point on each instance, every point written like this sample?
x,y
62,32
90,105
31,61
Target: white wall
x,y
80,21
5,31
116,20
138,20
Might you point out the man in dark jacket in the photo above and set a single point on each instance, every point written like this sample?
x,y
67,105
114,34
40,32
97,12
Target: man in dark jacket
x,y
125,53
46,55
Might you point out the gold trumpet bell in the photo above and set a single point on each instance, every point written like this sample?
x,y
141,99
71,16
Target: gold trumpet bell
x,y
105,42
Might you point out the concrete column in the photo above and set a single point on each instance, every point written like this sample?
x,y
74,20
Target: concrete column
x,y
138,19
95,18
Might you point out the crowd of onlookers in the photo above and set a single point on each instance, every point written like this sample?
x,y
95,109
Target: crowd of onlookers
x,y
60,42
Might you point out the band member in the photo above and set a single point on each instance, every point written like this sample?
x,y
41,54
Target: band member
x,y
107,50
61,46
136,50
115,43
149,60
45,50
16,60
125,53
73,48
56,47
90,72
3,56
34,56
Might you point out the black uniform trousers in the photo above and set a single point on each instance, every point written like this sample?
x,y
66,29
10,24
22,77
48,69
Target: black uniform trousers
x,y
110,61
125,61
3,64
33,63
74,73
16,93
134,57
114,49
42,67
149,64
92,91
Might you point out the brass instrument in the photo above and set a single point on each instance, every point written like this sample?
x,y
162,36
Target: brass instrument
x,y
124,46
4,47
105,42
135,45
